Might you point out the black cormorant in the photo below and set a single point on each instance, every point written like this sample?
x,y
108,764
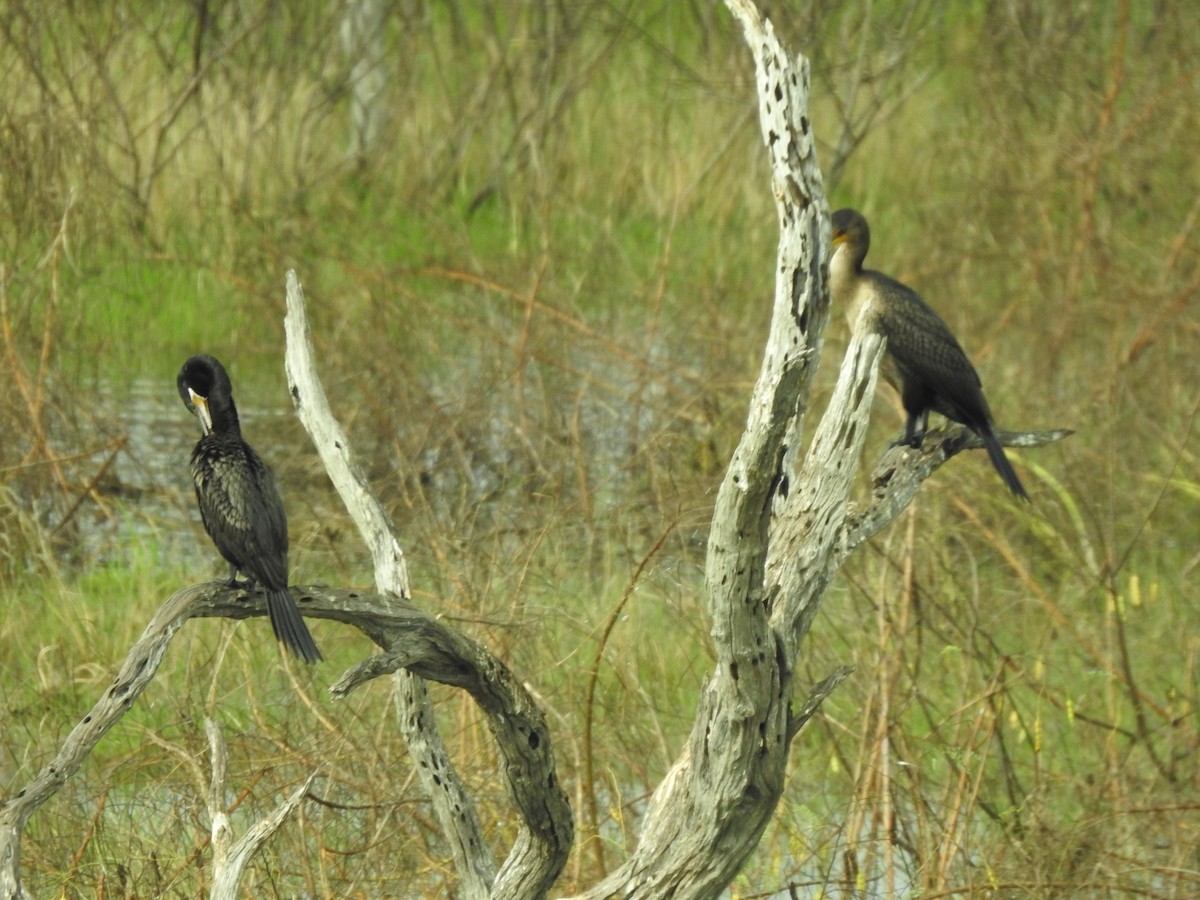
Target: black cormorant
x,y
239,502
927,365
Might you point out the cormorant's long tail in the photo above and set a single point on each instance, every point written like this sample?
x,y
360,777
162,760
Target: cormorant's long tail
x,y
1001,463
289,626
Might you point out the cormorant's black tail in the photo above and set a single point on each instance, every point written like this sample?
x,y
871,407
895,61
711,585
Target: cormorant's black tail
x,y
1001,463
289,626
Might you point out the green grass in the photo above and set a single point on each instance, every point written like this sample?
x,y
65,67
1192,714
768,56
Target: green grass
x,y
539,309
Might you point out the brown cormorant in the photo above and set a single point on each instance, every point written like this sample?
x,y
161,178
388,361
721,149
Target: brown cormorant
x,y
927,365
239,502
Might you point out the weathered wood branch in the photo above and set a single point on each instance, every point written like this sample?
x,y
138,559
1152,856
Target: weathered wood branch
x,y
135,675
138,671
900,470
711,809
545,826
428,647
452,805
231,856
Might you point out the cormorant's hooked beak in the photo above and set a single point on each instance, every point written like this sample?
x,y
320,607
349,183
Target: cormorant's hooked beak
x,y
200,407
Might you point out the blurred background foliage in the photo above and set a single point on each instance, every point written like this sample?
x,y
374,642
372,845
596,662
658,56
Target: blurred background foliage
x,y
538,245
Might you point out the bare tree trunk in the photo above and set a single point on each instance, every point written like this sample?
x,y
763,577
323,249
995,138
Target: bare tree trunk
x,y
771,550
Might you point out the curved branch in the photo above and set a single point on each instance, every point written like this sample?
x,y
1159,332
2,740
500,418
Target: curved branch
x,y
138,671
412,638
452,805
419,645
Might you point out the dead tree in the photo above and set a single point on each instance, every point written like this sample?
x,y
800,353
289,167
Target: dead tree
x,y
782,527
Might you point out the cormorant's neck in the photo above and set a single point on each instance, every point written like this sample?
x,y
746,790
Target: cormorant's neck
x,y
845,268
224,416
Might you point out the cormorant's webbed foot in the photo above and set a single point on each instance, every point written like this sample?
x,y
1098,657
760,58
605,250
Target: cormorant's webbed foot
x,y
909,440
232,581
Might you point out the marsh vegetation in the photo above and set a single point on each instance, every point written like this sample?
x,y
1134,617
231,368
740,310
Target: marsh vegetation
x,y
540,292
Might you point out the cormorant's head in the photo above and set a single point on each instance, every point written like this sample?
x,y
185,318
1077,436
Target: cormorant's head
x,y
851,235
205,390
